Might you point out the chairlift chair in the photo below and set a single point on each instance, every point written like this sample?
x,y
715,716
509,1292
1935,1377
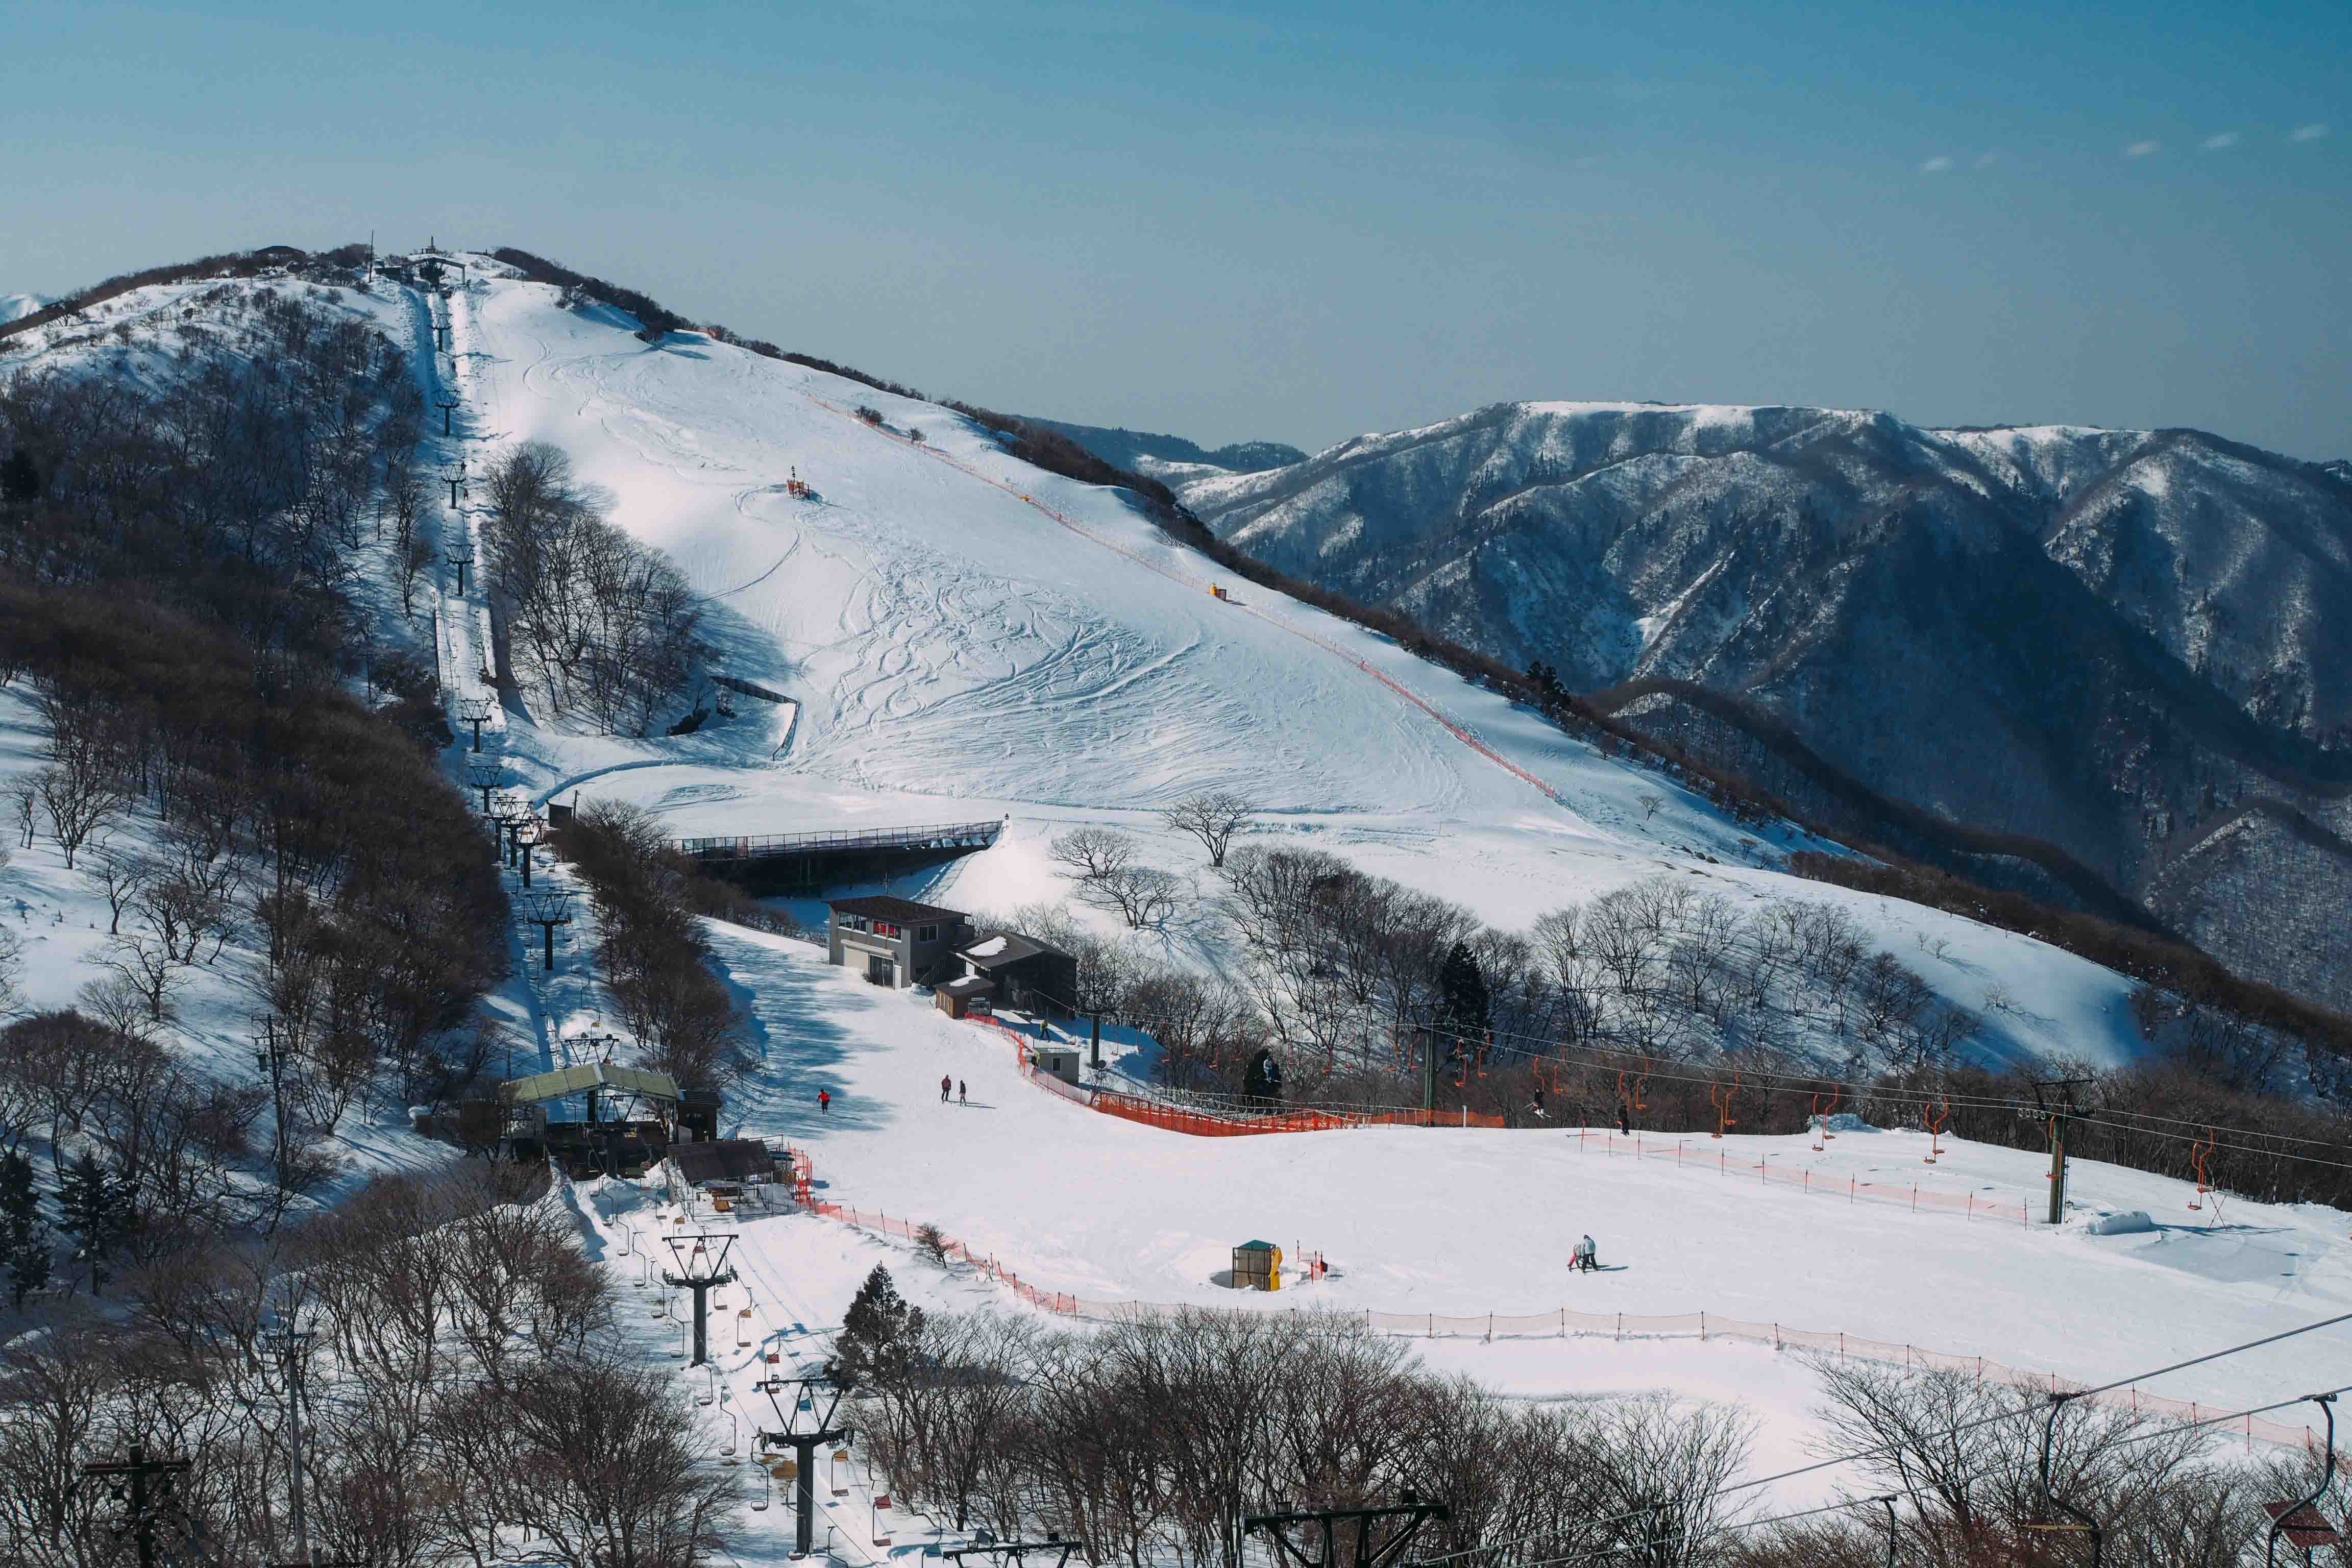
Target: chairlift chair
x,y
2077,1522
2198,1154
2300,1521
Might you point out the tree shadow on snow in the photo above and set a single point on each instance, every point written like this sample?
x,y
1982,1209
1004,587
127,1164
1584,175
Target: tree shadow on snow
x,y
792,1005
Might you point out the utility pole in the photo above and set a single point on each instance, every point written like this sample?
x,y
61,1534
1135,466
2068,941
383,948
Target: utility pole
x,y
294,1347
804,1445
1428,1044
270,1056
1409,1513
146,1507
1096,1017
701,1272
550,907
2055,1098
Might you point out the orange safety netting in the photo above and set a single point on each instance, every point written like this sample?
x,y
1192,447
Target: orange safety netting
x,y
1215,1124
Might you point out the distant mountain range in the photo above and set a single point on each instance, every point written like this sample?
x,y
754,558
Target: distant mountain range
x,y
2126,649
1157,456
17,306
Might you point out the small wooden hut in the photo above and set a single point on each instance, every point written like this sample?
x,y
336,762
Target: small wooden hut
x,y
1257,1266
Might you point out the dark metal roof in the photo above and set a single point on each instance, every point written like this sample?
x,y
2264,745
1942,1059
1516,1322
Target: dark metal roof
x,y
884,907
590,1075
1015,948
724,1160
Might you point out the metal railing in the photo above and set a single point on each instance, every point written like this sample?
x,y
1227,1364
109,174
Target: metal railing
x,y
761,846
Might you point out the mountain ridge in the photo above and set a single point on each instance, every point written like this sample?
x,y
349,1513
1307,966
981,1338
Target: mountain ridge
x,y
2097,638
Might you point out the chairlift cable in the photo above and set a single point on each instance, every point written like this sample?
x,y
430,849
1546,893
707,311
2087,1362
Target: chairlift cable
x,y
1959,1430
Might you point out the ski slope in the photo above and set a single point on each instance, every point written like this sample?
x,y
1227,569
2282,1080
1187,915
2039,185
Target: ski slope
x,y
960,633
1464,1223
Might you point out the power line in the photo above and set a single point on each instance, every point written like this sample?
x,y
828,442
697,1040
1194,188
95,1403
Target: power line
x,y
2164,1431
1966,1427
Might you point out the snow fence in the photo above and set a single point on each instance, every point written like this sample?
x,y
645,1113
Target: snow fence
x,y
1565,1322
1680,1150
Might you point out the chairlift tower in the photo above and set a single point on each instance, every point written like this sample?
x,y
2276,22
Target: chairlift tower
x,y
2055,1100
527,833
447,405
986,1545
804,1444
1409,1514
459,557
476,710
512,810
486,774
700,1270
148,1503
550,907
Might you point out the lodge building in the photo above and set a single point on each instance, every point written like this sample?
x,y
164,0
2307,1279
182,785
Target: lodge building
x,y
896,942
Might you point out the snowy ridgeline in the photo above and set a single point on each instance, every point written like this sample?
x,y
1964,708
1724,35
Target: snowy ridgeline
x,y
952,624
1800,560
163,880
941,621
962,637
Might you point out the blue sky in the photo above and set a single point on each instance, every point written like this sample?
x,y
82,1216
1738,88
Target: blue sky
x,y
1293,221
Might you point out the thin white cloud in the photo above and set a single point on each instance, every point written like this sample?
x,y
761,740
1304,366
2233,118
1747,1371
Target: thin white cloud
x,y
2227,139
2307,134
2142,149
1987,160
1935,165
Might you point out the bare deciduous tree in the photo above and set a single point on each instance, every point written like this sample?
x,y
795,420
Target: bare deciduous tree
x,y
79,795
1213,817
1092,853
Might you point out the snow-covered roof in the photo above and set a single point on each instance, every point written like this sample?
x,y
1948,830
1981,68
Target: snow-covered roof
x,y
1004,949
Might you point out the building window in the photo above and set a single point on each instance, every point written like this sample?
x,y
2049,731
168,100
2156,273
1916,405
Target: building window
x,y
927,933
853,923
884,928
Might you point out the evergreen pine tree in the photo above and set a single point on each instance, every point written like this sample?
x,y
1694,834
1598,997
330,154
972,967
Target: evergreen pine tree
x,y
24,1235
97,1205
19,479
1461,1019
875,1332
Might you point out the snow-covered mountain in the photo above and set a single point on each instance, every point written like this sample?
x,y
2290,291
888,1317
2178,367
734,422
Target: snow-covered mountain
x,y
17,306
2110,640
955,634
1167,457
959,634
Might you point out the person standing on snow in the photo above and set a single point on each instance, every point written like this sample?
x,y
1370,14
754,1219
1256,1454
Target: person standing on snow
x,y
825,1099
1586,1257
960,1099
945,1083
